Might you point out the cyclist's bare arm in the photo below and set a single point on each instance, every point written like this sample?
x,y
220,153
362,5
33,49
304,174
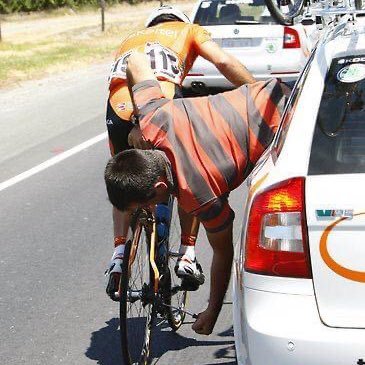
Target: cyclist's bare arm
x,y
220,274
227,64
138,69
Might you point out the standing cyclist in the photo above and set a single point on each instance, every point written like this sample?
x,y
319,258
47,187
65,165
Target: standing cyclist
x,y
172,44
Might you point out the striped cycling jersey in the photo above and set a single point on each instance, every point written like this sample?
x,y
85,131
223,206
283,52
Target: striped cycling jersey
x,y
213,142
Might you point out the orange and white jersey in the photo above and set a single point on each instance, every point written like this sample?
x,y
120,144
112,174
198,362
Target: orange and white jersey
x,y
172,48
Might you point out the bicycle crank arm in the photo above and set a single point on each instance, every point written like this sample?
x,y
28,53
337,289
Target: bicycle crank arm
x,y
194,315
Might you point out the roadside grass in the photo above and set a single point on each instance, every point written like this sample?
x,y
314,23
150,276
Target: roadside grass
x,y
31,60
51,13
42,44
21,62
25,61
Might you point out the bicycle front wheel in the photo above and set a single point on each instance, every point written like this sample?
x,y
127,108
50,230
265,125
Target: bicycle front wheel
x,y
137,313
284,11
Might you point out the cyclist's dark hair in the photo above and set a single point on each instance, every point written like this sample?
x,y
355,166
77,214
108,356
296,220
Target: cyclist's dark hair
x,y
130,177
164,18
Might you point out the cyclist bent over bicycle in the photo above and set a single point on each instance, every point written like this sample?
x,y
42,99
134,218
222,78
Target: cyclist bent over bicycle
x,y
204,148
172,44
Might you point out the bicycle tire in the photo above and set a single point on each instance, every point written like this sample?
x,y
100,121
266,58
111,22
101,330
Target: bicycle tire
x,y
358,4
175,318
285,18
137,317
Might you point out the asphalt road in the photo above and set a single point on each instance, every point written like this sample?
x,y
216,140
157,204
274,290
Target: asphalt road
x,y
56,236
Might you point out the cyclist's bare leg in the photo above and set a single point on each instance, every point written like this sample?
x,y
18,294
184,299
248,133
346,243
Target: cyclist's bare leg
x,y
121,222
187,267
189,231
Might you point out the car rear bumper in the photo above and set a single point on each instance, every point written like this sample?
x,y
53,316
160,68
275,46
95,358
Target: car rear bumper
x,y
218,81
199,83
205,75
276,328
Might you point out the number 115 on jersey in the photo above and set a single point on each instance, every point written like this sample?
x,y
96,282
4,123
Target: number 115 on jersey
x,y
164,62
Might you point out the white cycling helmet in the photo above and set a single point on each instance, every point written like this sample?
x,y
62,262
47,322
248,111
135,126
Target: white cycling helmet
x,y
166,9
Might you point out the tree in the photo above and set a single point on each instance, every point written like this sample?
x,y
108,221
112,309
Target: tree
x,y
102,6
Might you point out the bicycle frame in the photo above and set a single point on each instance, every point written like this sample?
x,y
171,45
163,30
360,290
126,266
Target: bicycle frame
x,y
147,218
156,274
149,221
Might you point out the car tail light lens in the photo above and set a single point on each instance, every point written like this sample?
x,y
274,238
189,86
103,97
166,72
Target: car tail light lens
x,y
277,238
291,38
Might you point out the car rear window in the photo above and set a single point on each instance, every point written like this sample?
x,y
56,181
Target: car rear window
x,y
229,12
338,145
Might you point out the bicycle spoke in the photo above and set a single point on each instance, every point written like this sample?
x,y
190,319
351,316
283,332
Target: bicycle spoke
x,y
177,298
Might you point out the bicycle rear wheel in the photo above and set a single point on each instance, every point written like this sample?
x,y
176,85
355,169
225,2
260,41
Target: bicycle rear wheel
x,y
358,4
176,299
284,11
137,313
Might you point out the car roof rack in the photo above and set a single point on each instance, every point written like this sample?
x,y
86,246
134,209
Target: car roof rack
x,y
325,12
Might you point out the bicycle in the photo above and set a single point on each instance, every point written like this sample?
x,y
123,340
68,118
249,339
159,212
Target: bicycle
x,y
147,287
288,12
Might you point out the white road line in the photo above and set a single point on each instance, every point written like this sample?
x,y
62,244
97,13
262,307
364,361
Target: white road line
x,y
52,161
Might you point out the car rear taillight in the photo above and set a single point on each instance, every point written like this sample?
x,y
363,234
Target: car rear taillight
x,y
277,238
291,38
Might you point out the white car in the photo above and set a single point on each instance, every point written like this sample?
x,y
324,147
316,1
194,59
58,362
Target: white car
x,y
246,29
299,271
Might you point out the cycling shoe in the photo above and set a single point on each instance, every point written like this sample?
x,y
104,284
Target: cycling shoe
x,y
113,273
190,272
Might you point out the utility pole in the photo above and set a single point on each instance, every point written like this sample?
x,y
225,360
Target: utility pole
x,y
102,7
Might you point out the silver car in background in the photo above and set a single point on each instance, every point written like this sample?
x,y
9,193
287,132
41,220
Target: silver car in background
x,y
245,29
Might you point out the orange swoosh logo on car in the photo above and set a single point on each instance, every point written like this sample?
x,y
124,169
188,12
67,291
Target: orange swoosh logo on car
x,y
331,263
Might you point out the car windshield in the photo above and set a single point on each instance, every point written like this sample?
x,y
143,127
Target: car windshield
x,y
230,12
338,145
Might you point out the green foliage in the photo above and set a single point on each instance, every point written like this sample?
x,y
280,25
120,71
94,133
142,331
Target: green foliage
x,y
13,6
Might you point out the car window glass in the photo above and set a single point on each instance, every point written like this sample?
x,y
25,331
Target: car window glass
x,y
338,145
229,12
290,109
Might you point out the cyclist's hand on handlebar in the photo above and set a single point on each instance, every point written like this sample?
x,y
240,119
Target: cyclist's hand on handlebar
x,y
205,322
136,139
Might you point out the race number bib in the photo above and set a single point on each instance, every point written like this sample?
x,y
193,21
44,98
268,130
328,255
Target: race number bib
x,y
119,67
164,63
